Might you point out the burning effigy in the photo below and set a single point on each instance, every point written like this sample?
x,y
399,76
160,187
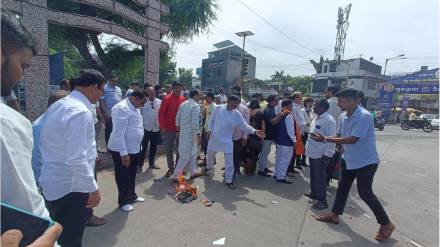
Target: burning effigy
x,y
185,192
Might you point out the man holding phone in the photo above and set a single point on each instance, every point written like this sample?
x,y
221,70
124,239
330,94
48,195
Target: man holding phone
x,y
18,187
359,161
320,153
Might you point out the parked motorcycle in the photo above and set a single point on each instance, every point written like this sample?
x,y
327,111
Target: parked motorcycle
x,y
417,124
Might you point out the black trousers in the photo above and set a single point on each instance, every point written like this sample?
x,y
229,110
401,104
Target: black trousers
x,y
125,178
301,159
364,178
236,154
152,138
108,130
70,212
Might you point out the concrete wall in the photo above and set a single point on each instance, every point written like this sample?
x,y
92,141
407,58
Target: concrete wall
x,y
36,16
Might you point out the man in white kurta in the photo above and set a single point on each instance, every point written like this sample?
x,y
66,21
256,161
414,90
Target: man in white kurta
x,y
188,125
222,124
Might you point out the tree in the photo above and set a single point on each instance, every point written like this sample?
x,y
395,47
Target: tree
x,y
167,68
185,77
186,19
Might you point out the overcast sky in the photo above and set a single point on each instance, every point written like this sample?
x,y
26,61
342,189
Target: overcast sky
x,y
378,29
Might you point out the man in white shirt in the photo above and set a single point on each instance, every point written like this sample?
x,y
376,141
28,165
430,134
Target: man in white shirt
x,y
209,108
285,140
68,149
320,154
18,187
188,127
222,124
222,96
150,115
112,96
330,95
124,145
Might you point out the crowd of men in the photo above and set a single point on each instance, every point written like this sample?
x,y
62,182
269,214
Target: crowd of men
x,y
62,145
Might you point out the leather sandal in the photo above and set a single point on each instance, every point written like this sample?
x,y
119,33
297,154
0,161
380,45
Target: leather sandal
x,y
328,218
385,232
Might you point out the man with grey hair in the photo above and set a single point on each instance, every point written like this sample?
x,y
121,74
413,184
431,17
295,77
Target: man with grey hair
x,y
150,116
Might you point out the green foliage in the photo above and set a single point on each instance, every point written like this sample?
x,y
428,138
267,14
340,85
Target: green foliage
x,y
189,18
167,68
185,77
300,83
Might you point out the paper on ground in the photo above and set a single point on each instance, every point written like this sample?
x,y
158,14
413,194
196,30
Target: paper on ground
x,y
219,242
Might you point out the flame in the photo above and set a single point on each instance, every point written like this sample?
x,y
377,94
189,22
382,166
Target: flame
x,y
184,186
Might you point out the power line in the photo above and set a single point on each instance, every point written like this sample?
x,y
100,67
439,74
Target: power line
x,y
282,65
278,29
253,42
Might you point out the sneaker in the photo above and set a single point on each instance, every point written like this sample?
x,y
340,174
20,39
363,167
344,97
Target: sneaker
x,y
284,181
127,208
139,199
231,186
320,206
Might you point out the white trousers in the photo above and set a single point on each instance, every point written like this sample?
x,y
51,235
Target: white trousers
x,y
229,164
187,165
263,158
282,161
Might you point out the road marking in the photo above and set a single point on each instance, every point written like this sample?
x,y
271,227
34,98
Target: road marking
x,y
414,243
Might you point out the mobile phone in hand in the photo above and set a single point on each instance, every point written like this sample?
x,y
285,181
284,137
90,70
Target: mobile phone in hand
x,y
30,225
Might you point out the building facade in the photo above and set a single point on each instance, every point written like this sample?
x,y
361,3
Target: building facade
x,y
356,73
223,68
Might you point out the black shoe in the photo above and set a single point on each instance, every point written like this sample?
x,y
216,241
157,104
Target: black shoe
x,y
267,170
284,181
169,173
264,173
320,206
231,186
309,195
299,167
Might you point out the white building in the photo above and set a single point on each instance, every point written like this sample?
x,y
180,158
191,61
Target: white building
x,y
356,73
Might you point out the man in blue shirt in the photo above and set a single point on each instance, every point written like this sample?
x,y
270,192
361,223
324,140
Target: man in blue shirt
x,y
359,161
112,96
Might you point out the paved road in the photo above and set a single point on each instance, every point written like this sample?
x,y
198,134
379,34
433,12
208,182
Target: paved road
x,y
406,183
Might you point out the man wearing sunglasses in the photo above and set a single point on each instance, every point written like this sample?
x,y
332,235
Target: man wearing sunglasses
x,y
150,113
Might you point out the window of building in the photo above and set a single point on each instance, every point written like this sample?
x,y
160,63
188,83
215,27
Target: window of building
x,y
319,85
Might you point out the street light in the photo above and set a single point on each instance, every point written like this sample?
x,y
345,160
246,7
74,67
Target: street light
x,y
401,56
243,34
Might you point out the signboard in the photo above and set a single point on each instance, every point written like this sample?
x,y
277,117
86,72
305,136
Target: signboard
x,y
423,82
